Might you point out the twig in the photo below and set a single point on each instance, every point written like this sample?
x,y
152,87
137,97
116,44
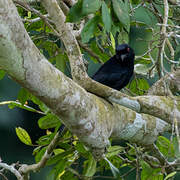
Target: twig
x,y
70,2
3,176
124,175
175,122
63,6
169,60
77,33
159,62
65,10
12,170
127,161
171,49
158,155
35,19
138,154
25,169
86,48
173,2
175,163
104,177
163,21
74,172
43,17
23,106
169,25
152,161
136,7
147,52
129,92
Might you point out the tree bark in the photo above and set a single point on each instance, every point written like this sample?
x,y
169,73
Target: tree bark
x,y
91,118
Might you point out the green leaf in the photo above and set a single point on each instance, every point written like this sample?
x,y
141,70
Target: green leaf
x,y
123,37
135,1
69,175
89,29
2,74
114,169
116,27
176,147
61,62
149,173
13,104
23,96
165,146
59,168
90,166
58,151
138,23
106,18
81,148
141,69
96,49
114,150
139,86
36,150
170,175
41,105
177,54
48,121
56,158
75,13
29,14
122,12
90,6
113,42
143,60
40,154
45,140
23,136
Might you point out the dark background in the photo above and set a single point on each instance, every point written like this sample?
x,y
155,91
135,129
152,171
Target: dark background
x,y
12,150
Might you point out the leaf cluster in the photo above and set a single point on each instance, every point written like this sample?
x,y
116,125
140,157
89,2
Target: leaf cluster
x,y
107,23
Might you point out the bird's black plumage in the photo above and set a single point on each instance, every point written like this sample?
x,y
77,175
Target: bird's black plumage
x,y
118,70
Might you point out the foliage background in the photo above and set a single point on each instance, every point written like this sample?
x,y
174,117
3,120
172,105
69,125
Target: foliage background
x,y
12,149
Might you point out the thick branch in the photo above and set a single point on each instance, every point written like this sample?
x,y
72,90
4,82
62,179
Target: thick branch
x,y
91,118
22,60
172,80
78,69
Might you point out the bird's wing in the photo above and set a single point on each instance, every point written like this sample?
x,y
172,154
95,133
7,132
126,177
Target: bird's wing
x,y
100,77
121,76
115,80
120,80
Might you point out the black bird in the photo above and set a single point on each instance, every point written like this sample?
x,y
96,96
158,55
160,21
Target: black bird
x,y
118,70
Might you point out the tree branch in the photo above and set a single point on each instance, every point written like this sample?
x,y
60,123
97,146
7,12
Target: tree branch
x,y
25,169
12,170
159,63
91,118
78,69
172,81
